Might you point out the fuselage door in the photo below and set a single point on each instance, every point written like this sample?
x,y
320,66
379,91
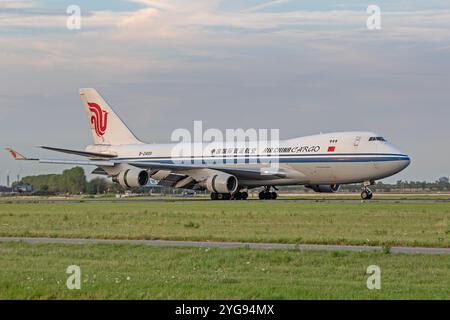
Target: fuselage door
x,y
357,141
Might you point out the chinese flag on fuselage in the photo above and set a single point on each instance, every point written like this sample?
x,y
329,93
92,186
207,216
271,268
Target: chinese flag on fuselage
x,y
331,148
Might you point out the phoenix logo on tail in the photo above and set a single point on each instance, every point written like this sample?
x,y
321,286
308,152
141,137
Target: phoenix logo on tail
x,y
99,118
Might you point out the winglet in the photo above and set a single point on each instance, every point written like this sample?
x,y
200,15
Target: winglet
x,y
16,155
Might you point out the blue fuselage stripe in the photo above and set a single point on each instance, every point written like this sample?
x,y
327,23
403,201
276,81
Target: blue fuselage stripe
x,y
322,158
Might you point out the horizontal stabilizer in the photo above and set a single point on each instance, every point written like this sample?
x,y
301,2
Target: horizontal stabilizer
x,y
16,155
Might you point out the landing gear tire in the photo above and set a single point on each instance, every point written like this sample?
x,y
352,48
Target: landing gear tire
x,y
264,195
267,195
366,194
220,196
225,196
240,196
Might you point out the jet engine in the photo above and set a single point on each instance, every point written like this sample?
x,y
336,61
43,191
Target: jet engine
x,y
324,188
222,183
132,178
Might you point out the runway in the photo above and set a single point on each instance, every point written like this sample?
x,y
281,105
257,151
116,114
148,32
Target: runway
x,y
207,244
147,200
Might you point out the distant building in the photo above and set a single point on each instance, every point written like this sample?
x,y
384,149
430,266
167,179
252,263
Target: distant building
x,y
444,180
5,189
23,188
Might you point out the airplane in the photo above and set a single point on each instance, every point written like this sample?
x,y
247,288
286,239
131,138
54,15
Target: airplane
x,y
321,162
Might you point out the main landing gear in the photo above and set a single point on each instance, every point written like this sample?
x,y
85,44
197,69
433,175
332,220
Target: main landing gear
x,y
228,196
267,195
239,195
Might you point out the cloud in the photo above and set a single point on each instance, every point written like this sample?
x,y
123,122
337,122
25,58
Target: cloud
x,y
138,18
300,70
53,22
266,5
181,35
155,4
172,19
17,4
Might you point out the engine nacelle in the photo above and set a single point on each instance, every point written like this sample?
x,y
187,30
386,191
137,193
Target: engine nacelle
x,y
222,183
132,178
324,188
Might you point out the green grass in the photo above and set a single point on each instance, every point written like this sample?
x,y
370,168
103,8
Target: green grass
x,y
138,272
409,224
253,195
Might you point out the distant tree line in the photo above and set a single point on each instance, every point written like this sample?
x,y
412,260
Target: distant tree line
x,y
413,186
440,185
71,181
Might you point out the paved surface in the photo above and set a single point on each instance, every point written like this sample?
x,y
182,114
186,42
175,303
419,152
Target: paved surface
x,y
113,200
168,243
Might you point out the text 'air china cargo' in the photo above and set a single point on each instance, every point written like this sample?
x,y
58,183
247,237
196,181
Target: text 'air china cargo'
x,y
321,162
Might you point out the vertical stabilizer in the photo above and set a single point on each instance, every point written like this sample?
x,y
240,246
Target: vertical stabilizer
x,y
107,127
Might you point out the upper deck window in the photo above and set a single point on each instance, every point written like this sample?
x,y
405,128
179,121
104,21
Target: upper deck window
x,y
377,139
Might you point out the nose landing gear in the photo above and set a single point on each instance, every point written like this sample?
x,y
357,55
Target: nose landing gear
x,y
366,194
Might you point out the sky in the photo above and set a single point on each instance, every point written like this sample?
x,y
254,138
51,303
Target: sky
x,y
303,67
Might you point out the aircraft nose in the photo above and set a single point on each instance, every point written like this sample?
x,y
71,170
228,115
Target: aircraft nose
x,y
405,160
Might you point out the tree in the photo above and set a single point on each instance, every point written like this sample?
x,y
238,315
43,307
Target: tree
x,y
97,186
71,181
74,180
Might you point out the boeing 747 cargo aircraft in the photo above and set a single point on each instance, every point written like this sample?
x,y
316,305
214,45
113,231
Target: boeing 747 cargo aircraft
x,y
320,162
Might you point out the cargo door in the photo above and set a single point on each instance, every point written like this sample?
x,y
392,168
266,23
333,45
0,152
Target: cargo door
x,y
357,141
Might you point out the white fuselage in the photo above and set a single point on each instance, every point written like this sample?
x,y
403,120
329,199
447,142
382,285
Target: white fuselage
x,y
332,158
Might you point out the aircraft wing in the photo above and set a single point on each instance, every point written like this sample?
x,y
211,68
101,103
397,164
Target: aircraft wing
x,y
17,156
81,153
239,172
184,170
98,163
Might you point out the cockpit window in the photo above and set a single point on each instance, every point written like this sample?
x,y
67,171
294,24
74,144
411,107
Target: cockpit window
x,y
377,139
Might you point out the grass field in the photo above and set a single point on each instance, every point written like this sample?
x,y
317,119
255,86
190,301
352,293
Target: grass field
x,y
253,195
409,224
37,271
138,272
